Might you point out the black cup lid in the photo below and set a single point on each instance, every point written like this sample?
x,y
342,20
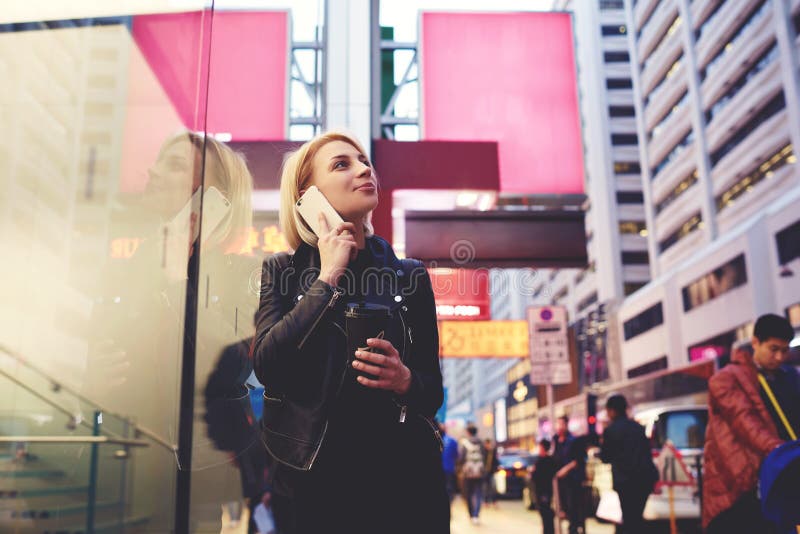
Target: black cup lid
x,y
366,309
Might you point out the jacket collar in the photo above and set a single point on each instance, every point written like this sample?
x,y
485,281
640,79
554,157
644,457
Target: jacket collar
x,y
306,258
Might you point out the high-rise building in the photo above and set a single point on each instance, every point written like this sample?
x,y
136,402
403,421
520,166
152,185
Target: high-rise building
x,y
616,231
715,87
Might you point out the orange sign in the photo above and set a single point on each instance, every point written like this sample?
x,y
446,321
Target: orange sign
x,y
483,339
268,239
123,248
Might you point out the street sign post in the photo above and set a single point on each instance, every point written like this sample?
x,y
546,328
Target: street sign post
x,y
549,354
549,350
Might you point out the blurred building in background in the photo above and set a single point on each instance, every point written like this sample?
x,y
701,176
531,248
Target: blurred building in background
x,y
716,96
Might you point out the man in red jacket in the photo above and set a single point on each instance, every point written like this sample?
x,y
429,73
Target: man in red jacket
x,y
741,428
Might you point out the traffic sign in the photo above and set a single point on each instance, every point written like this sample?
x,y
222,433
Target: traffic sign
x,y
549,350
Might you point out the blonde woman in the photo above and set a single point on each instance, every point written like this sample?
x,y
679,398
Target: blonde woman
x,y
355,455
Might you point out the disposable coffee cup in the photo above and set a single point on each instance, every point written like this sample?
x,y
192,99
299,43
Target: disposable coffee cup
x,y
364,321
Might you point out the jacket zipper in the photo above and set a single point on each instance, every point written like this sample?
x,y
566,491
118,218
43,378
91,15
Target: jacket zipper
x,y
404,408
331,303
318,447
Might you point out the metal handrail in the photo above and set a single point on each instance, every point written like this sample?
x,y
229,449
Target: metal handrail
x,y
24,361
154,437
138,429
100,440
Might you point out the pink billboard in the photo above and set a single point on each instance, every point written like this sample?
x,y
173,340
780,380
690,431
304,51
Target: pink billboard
x,y
510,78
247,65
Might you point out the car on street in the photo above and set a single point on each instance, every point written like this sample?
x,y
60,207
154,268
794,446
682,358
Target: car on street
x,y
511,478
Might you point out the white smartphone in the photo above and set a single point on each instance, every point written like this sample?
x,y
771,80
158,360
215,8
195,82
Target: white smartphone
x,y
311,204
215,207
179,232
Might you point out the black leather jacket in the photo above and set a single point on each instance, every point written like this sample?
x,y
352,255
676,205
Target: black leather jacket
x,y
299,349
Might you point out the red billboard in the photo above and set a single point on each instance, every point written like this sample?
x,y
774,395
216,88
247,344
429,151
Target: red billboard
x,y
461,294
510,78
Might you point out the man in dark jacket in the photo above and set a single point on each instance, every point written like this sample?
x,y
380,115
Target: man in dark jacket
x,y
570,452
543,472
743,427
626,447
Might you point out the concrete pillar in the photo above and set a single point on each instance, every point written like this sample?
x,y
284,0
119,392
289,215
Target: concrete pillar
x,y
347,67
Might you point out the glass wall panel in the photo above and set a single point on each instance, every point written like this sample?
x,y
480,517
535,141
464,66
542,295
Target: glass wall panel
x,y
97,171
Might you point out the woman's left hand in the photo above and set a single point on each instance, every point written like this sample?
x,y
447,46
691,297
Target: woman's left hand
x,y
390,372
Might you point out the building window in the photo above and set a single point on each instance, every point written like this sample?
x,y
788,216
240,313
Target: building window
x,y
627,167
635,258
765,169
716,61
633,227
559,295
797,23
660,85
619,83
586,302
624,139
673,154
693,223
616,57
610,31
788,241
763,61
630,197
621,111
641,323
773,107
671,29
612,4
709,20
670,111
650,367
711,285
673,195
632,287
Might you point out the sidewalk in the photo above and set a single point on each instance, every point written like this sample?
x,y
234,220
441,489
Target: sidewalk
x,y
509,517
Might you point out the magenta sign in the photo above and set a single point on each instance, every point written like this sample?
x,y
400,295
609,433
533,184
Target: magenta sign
x,y
510,78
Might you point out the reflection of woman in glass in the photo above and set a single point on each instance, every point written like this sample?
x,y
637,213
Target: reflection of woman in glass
x,y
138,319
357,455
177,173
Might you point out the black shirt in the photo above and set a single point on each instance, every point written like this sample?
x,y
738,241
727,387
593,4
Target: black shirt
x,y
546,469
785,385
627,449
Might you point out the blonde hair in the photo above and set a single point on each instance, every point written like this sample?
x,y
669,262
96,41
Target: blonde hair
x,y
295,174
226,170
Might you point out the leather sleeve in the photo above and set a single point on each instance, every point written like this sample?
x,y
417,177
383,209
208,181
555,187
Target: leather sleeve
x,y
729,400
281,329
426,394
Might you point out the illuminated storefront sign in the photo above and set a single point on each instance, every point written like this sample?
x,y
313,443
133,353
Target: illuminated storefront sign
x,y
461,294
268,239
257,241
483,339
123,248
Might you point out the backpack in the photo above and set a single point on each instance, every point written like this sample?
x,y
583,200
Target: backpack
x,y
473,461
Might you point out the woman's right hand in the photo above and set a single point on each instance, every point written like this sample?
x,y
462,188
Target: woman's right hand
x,y
336,248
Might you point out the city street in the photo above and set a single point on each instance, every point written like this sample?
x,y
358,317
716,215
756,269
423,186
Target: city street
x,y
509,517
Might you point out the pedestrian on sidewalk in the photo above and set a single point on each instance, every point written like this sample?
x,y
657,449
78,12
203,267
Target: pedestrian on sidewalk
x,y
492,465
471,455
626,447
571,458
449,460
744,426
544,470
